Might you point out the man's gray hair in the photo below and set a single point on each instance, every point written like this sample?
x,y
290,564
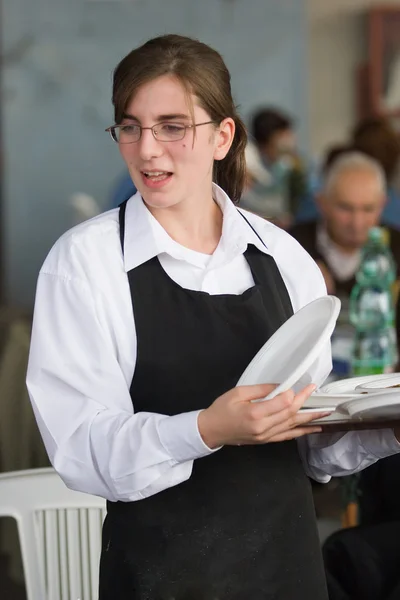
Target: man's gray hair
x,y
353,161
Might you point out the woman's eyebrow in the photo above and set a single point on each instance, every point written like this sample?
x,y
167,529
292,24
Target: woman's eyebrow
x,y
168,117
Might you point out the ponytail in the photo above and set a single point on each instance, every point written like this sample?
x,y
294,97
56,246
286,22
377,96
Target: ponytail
x,y
230,173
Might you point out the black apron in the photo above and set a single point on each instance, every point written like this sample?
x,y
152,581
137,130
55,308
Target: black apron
x,y
243,526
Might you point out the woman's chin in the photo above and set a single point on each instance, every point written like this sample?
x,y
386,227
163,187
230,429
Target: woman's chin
x,y
159,201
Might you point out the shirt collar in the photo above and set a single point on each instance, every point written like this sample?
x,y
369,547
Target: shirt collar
x,y
343,266
145,238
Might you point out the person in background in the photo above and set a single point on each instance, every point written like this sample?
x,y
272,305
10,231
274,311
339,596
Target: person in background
x,y
332,154
274,139
377,138
308,209
351,201
362,562
256,175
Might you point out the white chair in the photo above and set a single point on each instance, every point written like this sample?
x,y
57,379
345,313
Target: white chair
x,y
17,421
59,532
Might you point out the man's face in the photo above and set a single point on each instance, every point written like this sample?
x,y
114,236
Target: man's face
x,y
353,205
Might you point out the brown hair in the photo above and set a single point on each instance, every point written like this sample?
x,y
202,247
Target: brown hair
x,y
266,122
333,154
202,72
376,137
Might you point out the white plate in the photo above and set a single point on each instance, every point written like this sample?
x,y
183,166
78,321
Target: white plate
x,y
316,409
346,386
291,351
334,416
324,402
381,383
329,400
380,404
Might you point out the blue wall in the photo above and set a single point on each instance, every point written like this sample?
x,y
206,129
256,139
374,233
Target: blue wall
x,y
59,57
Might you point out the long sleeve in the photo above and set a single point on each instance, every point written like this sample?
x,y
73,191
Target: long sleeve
x,y
327,455
82,404
334,455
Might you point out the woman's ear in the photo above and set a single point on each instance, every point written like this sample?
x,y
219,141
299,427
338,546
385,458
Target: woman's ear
x,y
224,138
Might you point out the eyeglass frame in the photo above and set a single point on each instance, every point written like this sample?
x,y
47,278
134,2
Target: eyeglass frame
x,y
112,128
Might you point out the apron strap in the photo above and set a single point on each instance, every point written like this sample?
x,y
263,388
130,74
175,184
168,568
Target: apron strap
x,y
251,227
122,211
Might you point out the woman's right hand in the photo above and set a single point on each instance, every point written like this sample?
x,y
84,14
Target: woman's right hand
x,y
233,419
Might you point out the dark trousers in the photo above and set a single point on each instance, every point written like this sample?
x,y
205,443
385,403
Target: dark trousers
x,y
363,563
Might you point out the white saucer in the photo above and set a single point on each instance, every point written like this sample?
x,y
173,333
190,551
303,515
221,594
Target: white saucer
x,y
329,400
347,386
381,383
295,346
380,404
318,402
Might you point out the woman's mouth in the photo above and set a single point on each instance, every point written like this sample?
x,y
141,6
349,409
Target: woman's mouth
x,y
156,178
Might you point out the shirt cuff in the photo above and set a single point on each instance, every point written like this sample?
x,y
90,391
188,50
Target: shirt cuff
x,y
180,436
380,442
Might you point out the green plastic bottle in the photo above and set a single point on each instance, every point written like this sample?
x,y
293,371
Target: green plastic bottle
x,y
372,309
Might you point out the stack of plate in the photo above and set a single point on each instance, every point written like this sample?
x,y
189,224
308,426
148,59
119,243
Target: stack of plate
x,y
286,360
369,396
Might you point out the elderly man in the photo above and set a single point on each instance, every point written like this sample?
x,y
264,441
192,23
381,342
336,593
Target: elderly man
x,y
351,202
359,561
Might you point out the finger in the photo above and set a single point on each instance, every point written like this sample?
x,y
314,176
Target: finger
x,y
300,398
301,419
284,401
303,395
284,409
292,434
281,414
292,406
255,392
275,425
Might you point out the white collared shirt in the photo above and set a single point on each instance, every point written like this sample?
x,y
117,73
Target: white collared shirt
x,y
343,265
83,353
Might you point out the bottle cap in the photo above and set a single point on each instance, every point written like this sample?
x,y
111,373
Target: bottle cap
x,y
375,234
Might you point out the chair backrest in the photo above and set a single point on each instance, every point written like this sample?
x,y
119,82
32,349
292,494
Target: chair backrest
x,y
16,415
59,531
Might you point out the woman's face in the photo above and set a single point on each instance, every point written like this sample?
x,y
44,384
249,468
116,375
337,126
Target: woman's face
x,y
169,173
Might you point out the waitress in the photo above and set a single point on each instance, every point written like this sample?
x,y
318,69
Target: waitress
x,y
145,318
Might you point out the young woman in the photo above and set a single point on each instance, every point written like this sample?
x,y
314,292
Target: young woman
x,y
145,318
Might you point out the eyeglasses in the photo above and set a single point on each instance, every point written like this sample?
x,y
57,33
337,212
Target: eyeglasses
x,y
162,132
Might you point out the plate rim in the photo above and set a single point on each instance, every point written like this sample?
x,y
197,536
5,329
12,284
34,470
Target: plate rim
x,y
385,377
370,399
334,306
348,379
